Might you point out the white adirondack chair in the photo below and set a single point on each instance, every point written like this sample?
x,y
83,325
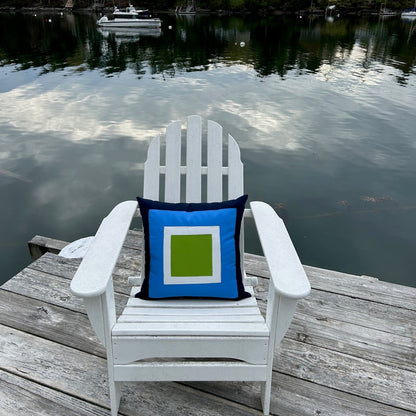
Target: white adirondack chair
x,y
234,332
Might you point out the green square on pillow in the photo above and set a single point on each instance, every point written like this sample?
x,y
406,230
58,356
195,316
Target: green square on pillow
x,y
191,255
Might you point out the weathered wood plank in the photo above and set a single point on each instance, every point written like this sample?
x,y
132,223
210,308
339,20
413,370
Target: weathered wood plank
x,y
329,333
48,286
342,341
84,376
43,319
55,265
367,343
369,379
320,305
53,289
360,312
66,268
19,396
44,245
361,287
322,319
292,396
134,240
38,285
39,245
129,259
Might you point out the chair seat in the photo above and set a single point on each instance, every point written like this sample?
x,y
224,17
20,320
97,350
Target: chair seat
x,y
211,328
191,317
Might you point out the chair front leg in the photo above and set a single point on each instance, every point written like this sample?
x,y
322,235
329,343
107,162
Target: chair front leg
x,y
266,389
115,393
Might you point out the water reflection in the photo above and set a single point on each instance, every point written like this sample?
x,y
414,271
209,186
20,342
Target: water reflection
x,y
323,112
273,45
129,34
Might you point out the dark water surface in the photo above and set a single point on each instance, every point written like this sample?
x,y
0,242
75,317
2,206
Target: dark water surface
x,y
324,112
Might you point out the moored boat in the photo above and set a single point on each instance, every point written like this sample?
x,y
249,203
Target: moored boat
x,y
130,17
410,12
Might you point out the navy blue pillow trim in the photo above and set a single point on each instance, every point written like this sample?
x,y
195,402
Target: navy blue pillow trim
x,y
146,205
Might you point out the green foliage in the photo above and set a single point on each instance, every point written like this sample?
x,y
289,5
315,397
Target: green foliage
x,y
236,6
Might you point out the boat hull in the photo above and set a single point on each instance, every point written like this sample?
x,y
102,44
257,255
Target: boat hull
x,y
143,23
129,33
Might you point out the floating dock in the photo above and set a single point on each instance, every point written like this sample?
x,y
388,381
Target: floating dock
x,y
350,350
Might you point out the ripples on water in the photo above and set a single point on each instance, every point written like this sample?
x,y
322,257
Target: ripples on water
x,y
324,113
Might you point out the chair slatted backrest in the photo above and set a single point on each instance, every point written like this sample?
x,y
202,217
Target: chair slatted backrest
x,y
193,170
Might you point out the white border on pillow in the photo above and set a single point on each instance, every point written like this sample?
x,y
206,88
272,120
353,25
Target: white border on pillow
x,y
216,255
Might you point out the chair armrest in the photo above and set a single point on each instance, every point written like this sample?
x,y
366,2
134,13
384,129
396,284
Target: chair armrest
x,y
288,276
95,270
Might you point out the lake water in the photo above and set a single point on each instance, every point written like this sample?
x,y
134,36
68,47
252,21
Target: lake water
x,y
324,112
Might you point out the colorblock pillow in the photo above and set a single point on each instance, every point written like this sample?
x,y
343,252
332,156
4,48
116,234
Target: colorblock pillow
x,y
192,250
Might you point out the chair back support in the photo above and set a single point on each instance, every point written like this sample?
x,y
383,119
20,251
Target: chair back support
x,y
190,175
187,179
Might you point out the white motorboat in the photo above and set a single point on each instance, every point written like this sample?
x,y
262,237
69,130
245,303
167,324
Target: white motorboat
x,y
130,17
410,12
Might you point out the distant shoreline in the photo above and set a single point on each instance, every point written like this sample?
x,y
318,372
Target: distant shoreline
x,y
110,9
317,12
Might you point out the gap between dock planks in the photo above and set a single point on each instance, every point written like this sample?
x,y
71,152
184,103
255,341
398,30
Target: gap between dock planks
x,y
327,362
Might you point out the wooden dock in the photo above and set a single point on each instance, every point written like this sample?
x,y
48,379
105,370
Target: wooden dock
x,y
351,349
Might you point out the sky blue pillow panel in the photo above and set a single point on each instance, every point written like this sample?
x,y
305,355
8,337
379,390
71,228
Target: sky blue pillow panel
x,y
217,222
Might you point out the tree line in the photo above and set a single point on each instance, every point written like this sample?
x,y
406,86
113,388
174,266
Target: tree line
x,y
233,6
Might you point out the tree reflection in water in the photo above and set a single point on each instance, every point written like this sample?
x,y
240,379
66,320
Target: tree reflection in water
x,y
272,45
